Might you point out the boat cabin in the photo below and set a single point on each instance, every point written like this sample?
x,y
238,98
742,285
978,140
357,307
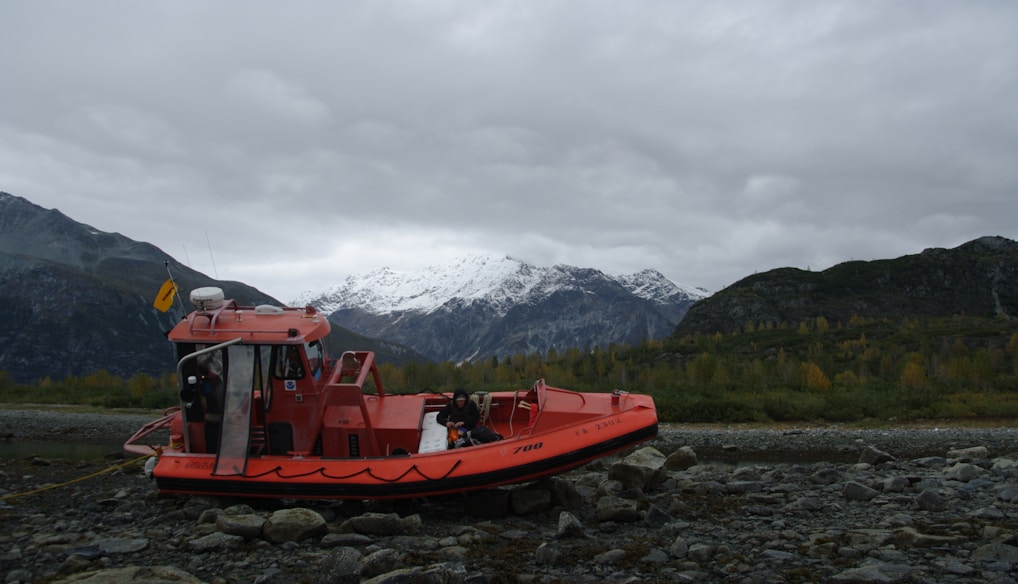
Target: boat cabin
x,y
258,381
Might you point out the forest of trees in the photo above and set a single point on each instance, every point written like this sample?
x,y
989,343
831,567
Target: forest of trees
x,y
812,371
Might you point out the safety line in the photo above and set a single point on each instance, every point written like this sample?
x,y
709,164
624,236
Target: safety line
x,y
79,479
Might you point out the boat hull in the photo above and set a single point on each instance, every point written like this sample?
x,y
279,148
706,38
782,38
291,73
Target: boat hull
x,y
510,461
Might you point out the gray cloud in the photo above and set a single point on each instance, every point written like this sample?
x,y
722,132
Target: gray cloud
x,y
309,142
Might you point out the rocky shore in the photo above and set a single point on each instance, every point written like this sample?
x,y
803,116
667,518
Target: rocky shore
x,y
694,505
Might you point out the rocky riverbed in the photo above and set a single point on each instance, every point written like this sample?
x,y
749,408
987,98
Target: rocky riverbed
x,y
694,505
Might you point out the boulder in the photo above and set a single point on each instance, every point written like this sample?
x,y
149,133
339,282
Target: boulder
x,y
964,472
874,456
294,525
376,524
341,566
247,526
380,562
616,509
996,552
973,453
931,501
569,526
681,459
858,492
642,469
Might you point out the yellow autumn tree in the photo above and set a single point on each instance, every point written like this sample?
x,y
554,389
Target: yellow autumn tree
x,y
814,377
914,376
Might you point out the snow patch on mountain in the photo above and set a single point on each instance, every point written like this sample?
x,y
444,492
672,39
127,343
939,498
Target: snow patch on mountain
x,y
500,282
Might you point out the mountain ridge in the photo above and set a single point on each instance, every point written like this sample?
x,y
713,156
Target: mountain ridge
x,y
977,278
505,306
75,300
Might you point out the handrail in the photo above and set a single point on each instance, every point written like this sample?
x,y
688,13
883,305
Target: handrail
x,y
213,315
180,380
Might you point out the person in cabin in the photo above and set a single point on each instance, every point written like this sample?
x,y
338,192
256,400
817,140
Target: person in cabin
x,y
461,413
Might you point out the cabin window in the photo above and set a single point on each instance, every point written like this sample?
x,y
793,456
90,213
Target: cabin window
x,y
288,363
316,354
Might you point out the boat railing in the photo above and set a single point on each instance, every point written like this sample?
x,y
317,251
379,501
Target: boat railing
x,y
181,381
132,445
213,316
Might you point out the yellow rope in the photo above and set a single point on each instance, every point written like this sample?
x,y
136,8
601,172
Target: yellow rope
x,y
79,479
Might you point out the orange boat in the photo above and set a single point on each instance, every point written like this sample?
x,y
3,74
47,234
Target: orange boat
x,y
265,412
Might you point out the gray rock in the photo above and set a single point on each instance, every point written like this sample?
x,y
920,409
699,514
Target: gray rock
x,y
778,555
895,484
563,493
881,573
436,574
681,459
1004,465
973,453
215,542
855,491
931,501
412,523
656,517
996,552
341,566
631,476
72,565
745,473
547,554
380,562
700,553
826,476
868,537
294,525
610,557
377,524
616,509
874,456
345,539
569,526
805,504
953,566
209,515
742,487
239,509
655,556
121,545
987,513
909,537
248,526
1008,494
679,548
931,462
964,472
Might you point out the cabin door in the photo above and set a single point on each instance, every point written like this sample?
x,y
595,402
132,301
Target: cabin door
x,y
231,457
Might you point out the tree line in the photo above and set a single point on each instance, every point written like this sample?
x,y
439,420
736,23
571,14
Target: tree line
x,y
915,368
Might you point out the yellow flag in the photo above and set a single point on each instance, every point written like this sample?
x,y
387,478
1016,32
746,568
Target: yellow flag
x,y
164,300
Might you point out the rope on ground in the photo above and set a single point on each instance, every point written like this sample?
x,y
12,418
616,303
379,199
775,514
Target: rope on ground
x,y
77,480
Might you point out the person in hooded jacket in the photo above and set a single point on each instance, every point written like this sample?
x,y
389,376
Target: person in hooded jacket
x,y
461,413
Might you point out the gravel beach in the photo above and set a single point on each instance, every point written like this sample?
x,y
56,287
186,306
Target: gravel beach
x,y
697,504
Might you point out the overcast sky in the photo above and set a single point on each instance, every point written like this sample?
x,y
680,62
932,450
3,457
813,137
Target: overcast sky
x,y
306,141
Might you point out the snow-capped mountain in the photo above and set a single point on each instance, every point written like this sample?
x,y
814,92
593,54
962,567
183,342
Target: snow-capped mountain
x,y
486,305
